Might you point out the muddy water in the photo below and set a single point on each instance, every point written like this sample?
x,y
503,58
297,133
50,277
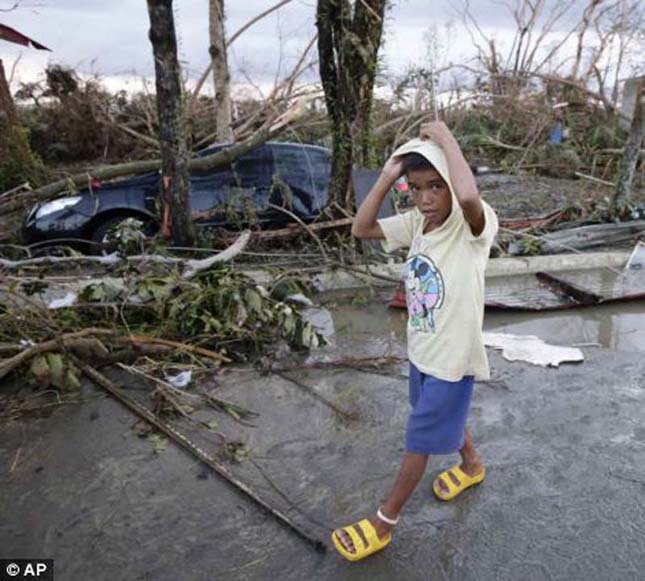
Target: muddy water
x,y
618,327
563,498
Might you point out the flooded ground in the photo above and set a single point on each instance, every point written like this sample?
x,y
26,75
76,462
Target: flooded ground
x,y
563,499
619,327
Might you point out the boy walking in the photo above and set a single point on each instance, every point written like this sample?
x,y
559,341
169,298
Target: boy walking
x,y
449,234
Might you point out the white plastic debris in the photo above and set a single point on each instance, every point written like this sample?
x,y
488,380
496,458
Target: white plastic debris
x,y
321,319
300,299
637,258
532,349
180,380
67,301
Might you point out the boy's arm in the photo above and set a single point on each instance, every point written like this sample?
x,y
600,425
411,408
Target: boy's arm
x,y
463,181
365,223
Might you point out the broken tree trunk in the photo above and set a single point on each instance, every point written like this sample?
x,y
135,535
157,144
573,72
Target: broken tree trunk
x,y
221,76
631,153
172,131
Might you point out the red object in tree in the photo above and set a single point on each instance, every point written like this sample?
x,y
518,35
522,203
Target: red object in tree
x,y
95,184
166,218
12,35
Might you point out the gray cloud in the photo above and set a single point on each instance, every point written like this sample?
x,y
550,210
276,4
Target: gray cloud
x,y
111,38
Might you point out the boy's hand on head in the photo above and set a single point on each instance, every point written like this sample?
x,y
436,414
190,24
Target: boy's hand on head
x,y
437,132
393,168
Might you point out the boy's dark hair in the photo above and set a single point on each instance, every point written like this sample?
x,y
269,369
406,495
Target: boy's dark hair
x,y
415,161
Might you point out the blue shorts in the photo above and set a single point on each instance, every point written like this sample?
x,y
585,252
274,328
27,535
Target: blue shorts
x,y
439,411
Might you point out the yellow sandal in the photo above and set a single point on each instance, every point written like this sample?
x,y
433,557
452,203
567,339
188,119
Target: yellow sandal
x,y
465,482
363,549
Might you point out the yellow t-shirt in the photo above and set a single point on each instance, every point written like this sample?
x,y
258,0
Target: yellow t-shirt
x,y
444,284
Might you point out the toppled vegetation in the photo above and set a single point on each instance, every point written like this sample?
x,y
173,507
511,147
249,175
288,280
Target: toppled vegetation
x,y
219,316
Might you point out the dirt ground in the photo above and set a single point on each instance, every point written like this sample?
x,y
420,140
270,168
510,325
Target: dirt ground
x,y
528,196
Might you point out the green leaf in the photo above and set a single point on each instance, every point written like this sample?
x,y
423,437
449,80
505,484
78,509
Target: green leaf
x,y
253,301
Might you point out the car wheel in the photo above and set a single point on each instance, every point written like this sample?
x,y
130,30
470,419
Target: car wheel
x,y
55,250
104,238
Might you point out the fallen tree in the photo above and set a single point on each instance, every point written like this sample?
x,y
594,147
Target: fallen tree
x,y
223,157
190,267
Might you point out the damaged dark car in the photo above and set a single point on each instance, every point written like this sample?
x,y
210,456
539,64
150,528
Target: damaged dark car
x,y
260,189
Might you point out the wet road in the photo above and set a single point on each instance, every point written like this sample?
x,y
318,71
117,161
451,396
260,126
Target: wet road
x,y
564,496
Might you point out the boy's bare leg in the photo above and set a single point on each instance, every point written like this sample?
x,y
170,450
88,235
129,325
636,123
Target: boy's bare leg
x,y
411,472
471,462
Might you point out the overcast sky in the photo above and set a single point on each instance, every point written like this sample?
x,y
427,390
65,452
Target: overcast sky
x,y
110,37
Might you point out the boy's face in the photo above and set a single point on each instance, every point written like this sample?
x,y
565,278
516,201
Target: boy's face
x,y
430,195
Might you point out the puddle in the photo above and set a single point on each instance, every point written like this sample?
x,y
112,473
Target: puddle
x,y
617,327
620,327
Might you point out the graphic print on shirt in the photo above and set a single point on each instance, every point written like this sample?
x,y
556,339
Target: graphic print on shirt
x,y
424,292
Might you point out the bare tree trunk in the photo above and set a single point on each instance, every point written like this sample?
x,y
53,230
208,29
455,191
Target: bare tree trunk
x,y
172,133
221,77
7,108
231,40
584,26
630,156
349,38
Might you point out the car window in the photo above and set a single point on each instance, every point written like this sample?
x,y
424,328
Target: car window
x,y
254,169
242,186
294,165
306,171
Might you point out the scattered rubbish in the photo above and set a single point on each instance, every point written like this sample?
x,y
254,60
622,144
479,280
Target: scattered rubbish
x,y
67,301
592,236
300,299
159,443
181,380
237,452
532,349
321,320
